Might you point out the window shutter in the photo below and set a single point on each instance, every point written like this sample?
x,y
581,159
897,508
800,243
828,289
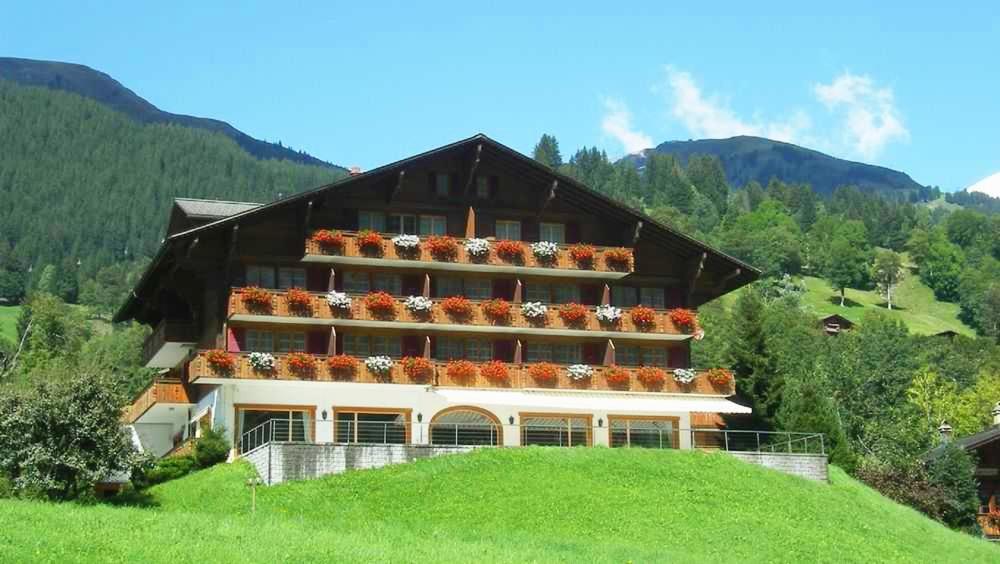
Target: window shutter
x,y
590,294
503,351
431,184
529,230
235,339
453,189
673,297
503,288
677,357
411,346
486,224
572,232
351,219
591,353
413,285
317,279
317,342
340,343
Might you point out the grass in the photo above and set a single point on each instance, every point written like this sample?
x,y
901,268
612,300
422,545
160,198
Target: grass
x,y
8,322
499,505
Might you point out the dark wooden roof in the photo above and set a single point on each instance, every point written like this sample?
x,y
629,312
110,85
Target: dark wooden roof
x,y
837,318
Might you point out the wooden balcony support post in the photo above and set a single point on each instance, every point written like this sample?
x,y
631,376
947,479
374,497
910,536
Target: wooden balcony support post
x,y
518,352
696,270
470,223
606,296
307,223
331,348
518,291
609,353
427,285
332,282
551,195
636,232
427,347
720,286
397,188
472,170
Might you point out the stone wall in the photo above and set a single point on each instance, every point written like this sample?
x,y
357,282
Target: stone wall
x,y
279,462
810,466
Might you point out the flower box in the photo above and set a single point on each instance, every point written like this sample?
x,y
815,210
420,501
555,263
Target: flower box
x,y
419,305
220,360
380,304
477,249
583,255
579,372
683,319
442,247
651,376
644,317
256,299
495,371
608,314
380,366
301,363
534,311
329,240
406,245
298,299
339,300
544,372
719,377
342,366
545,251
617,376
497,310
573,314
509,251
618,259
417,368
262,362
457,307
684,376
461,370
369,242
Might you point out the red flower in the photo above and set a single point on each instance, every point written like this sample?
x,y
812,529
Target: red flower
x,y
458,307
380,304
301,363
719,376
651,376
256,298
683,319
495,371
510,251
418,368
616,376
342,365
643,316
461,370
618,259
497,309
442,247
329,239
298,298
544,371
369,241
582,254
573,314
220,360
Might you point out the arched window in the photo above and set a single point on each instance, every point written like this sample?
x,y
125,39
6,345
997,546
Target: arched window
x,y
466,426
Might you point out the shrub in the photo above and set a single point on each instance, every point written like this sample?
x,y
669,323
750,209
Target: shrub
x,y
380,304
169,468
442,247
544,372
342,366
510,251
953,471
220,360
651,376
683,319
301,363
256,298
458,307
495,371
618,259
298,298
369,242
617,376
461,370
497,309
719,376
573,314
643,317
582,255
417,368
211,447
329,240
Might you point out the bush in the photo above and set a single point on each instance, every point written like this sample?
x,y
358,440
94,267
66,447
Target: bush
x,y
169,468
952,470
211,447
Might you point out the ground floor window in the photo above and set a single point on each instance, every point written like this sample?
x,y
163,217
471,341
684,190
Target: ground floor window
x,y
260,425
465,426
643,432
372,427
545,429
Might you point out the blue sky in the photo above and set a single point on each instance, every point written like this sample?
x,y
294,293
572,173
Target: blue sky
x,y
916,89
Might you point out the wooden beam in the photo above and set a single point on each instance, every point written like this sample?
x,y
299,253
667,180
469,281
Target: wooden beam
x,y
518,291
331,348
720,286
470,223
548,199
695,275
635,233
518,352
472,170
427,347
332,281
609,353
427,285
606,296
397,188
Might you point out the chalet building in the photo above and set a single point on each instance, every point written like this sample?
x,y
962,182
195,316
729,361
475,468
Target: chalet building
x,y
835,324
464,296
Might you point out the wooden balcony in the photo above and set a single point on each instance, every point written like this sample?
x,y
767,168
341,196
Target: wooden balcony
x,y
167,345
990,525
320,312
160,391
518,377
351,253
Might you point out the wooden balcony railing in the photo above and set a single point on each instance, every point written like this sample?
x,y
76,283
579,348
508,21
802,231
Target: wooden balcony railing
x,y
990,525
563,260
167,331
319,309
519,377
161,390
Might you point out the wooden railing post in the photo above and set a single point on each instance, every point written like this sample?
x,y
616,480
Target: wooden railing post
x,y
470,224
609,353
331,348
518,289
332,282
518,355
427,285
606,296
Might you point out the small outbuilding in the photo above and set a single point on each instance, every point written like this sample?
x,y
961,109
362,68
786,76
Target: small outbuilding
x,y
835,323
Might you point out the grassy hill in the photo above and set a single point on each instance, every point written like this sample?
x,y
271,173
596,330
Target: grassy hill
x,y
512,505
8,322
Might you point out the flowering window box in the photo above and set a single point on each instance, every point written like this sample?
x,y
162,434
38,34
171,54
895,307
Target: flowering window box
x,y
495,371
298,299
461,371
684,319
369,242
477,249
544,372
419,306
457,307
618,259
380,366
579,372
536,312
608,314
342,366
684,376
617,376
509,251
262,362
417,368
651,376
256,299
329,240
381,304
573,314
643,317
301,363
497,310
442,247
220,361
583,255
545,251
339,301
719,377
406,245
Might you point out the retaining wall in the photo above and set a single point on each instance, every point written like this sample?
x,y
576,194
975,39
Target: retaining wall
x,y
810,466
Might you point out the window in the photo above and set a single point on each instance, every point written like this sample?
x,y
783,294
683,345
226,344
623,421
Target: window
x,y
261,276
449,349
565,293
538,352
627,355
566,354
377,428
538,292
433,225
291,278
508,230
357,346
483,187
401,223
391,283
478,288
477,350
259,341
465,427
442,184
654,356
555,430
259,426
652,297
356,282
555,232
624,296
371,220
389,346
643,432
290,342
448,286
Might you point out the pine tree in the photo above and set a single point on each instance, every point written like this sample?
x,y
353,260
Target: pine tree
x,y
547,151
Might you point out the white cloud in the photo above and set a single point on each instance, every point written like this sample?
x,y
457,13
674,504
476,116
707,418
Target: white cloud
x,y
871,119
617,122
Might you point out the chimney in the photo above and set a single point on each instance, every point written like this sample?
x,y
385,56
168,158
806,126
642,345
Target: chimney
x,y
996,413
945,431
354,170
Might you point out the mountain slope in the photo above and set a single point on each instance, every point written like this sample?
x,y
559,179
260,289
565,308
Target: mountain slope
x,y
98,86
747,159
501,505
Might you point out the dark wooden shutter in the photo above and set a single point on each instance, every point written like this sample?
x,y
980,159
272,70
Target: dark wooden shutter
x,y
572,232
503,288
673,297
317,278
453,189
590,294
317,342
677,357
503,351
413,285
591,353
486,223
350,219
529,230
340,343
235,339
431,184
412,345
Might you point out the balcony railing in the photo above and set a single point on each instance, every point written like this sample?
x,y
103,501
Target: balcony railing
x,y
562,260
168,331
318,308
518,377
161,390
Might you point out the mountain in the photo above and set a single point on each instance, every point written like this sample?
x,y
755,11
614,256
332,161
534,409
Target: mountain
x,y
747,159
989,186
96,85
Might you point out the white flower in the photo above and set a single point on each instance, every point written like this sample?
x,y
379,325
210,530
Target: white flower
x,y
338,300
406,241
545,249
380,364
418,304
608,313
262,361
684,375
534,310
579,371
477,247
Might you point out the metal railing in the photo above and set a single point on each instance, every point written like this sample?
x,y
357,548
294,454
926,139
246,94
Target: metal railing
x,y
638,433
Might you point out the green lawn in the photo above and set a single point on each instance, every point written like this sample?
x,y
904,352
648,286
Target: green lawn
x,y
511,505
8,322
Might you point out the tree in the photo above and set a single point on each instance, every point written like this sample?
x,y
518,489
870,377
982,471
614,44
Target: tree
x,y
847,266
942,267
64,435
887,271
547,151
768,238
953,471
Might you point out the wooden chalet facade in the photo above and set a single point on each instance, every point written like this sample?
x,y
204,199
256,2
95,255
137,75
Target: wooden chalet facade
x,y
572,311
